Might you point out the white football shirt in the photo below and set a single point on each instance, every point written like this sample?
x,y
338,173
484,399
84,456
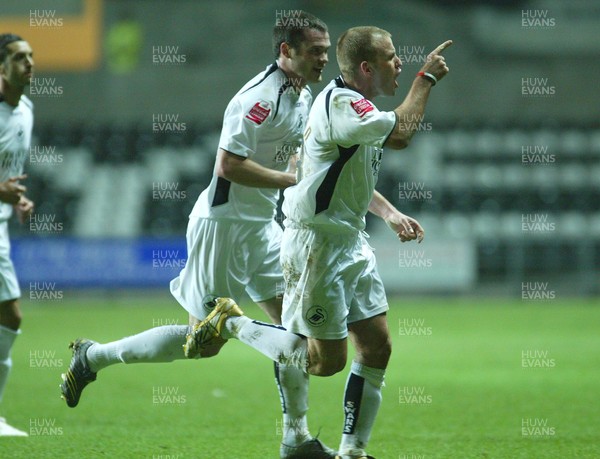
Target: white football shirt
x,y
16,124
339,162
263,122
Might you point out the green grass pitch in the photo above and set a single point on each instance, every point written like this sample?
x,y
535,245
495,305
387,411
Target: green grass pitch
x,y
468,379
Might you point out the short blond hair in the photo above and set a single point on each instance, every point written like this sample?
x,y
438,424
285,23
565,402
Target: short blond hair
x,y
356,45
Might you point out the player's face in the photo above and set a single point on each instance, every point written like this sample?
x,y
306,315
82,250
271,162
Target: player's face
x,y
17,68
309,60
387,68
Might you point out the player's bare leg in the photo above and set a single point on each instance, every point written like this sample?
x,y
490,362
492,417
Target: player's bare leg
x,y
288,350
10,321
327,356
372,342
272,308
293,384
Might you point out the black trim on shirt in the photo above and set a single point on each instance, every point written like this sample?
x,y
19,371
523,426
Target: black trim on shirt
x,y
327,99
221,192
282,89
327,187
270,70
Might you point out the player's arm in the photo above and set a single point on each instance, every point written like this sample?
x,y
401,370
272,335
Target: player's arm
x,y
413,106
293,164
11,190
407,228
244,171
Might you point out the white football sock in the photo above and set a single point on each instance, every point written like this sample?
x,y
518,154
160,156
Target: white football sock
x,y
159,344
293,393
274,341
7,338
361,404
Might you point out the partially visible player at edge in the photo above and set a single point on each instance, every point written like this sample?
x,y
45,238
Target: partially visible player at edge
x,y
333,288
16,124
233,240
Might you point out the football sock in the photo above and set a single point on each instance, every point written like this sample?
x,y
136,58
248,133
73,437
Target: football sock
x,y
361,403
274,341
293,393
159,344
7,338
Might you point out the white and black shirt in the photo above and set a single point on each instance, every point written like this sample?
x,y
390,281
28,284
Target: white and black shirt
x,y
340,160
263,122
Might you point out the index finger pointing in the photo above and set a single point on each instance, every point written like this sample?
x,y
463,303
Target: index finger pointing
x,y
442,47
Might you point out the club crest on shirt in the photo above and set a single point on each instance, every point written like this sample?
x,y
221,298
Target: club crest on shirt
x,y
258,114
362,107
316,316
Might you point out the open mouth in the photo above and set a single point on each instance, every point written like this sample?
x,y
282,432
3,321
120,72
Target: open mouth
x,y
396,78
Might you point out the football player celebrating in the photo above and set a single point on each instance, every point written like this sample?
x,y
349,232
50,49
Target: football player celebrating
x,y
233,240
333,290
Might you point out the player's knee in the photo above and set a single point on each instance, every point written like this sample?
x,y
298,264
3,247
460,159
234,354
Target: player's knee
x,y
327,367
211,350
376,355
10,315
16,319
386,350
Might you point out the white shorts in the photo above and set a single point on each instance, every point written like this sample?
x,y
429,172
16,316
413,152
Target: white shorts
x,y
225,258
9,286
331,280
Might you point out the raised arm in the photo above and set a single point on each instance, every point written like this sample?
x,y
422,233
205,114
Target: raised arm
x,y
413,106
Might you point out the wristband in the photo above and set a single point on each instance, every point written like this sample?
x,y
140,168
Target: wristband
x,y
429,76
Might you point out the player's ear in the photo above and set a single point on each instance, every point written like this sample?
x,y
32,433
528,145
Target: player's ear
x,y
285,50
365,68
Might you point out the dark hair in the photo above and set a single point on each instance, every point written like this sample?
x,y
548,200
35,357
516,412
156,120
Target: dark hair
x,y
5,40
290,29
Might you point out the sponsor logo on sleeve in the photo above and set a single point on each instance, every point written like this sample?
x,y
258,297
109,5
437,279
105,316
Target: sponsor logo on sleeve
x,y
258,114
362,107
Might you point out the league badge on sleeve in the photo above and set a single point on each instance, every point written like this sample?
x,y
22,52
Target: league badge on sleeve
x,y
258,114
362,107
